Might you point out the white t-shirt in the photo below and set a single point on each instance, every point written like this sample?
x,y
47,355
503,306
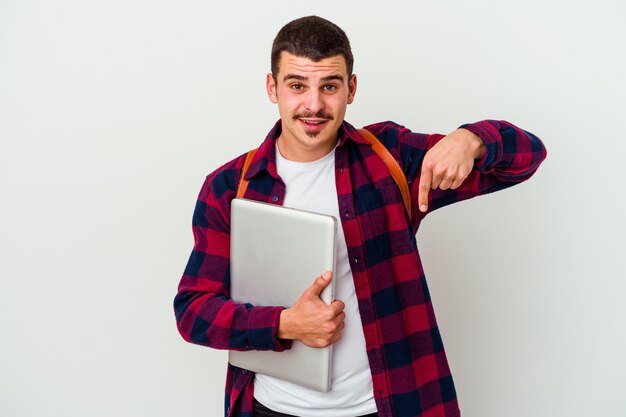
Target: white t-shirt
x,y
311,186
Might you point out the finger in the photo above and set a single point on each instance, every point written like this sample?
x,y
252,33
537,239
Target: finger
x,y
339,327
461,178
341,319
456,183
325,342
424,187
319,284
435,181
335,336
335,339
337,307
338,320
442,177
445,183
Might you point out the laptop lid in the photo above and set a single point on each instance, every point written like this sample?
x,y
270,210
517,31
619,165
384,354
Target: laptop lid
x,y
276,253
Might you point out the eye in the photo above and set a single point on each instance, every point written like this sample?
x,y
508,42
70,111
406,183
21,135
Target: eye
x,y
296,87
329,87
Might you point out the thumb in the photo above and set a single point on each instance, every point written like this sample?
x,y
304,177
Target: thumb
x,y
319,284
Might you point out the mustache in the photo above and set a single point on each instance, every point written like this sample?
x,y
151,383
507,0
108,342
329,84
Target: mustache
x,y
318,115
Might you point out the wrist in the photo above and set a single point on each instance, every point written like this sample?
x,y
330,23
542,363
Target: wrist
x,y
477,147
284,327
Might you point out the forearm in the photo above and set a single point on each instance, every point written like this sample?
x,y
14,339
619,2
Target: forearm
x,y
205,314
212,320
512,154
507,155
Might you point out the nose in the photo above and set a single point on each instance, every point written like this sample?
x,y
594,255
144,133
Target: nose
x,y
314,101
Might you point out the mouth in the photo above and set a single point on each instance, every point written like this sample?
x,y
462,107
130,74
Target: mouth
x,y
313,123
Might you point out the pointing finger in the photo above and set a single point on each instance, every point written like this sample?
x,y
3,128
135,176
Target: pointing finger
x,y
424,187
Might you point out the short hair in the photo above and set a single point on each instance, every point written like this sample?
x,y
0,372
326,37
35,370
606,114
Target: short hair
x,y
314,38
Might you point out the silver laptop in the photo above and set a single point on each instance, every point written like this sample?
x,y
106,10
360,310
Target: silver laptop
x,y
276,253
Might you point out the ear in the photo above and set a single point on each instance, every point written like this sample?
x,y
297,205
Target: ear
x,y
351,88
270,85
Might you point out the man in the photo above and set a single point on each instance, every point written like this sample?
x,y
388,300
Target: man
x,y
389,357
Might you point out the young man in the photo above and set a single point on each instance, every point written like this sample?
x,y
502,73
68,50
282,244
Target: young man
x,y
389,358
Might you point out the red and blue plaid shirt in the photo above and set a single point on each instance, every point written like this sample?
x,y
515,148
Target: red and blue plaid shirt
x,y
410,372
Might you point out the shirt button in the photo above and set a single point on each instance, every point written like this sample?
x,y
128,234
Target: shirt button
x,y
356,260
346,214
275,199
244,371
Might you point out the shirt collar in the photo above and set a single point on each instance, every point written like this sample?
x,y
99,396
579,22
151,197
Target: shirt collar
x,y
265,157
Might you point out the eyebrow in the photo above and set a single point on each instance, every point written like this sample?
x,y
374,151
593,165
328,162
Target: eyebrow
x,y
303,78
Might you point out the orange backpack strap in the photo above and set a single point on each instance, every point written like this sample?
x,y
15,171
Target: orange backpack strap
x,y
243,182
377,146
392,164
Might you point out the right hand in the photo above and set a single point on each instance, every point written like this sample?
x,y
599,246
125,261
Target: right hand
x,y
310,320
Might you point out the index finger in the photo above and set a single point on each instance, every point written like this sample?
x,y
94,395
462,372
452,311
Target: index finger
x,y
426,178
337,306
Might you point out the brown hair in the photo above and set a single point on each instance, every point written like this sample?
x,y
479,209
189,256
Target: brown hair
x,y
314,38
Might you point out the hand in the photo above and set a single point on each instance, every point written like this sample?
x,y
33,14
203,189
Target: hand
x,y
310,320
447,164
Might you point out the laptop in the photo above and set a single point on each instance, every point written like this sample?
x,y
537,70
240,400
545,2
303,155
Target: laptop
x,y
276,253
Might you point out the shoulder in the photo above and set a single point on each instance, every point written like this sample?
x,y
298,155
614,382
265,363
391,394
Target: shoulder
x,y
218,190
388,132
224,180
398,138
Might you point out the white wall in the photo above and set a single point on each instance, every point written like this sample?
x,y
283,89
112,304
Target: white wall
x,y
112,112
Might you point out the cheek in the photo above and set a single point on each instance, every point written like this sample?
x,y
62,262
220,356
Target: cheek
x,y
339,105
286,108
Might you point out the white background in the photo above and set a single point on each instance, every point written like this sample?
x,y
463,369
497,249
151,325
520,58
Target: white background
x,y
112,112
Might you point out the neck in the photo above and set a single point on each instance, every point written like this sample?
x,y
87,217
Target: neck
x,y
304,153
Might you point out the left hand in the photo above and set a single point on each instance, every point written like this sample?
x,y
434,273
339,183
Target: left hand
x,y
447,164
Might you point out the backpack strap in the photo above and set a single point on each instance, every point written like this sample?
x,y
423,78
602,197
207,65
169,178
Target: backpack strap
x,y
377,146
392,164
243,183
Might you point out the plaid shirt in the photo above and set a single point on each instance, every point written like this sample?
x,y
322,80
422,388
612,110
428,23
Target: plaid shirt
x,y
410,372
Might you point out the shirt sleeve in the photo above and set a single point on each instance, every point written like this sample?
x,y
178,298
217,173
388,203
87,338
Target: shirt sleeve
x,y
205,314
512,156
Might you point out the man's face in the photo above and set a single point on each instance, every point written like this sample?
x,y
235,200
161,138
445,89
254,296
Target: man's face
x,y
312,98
